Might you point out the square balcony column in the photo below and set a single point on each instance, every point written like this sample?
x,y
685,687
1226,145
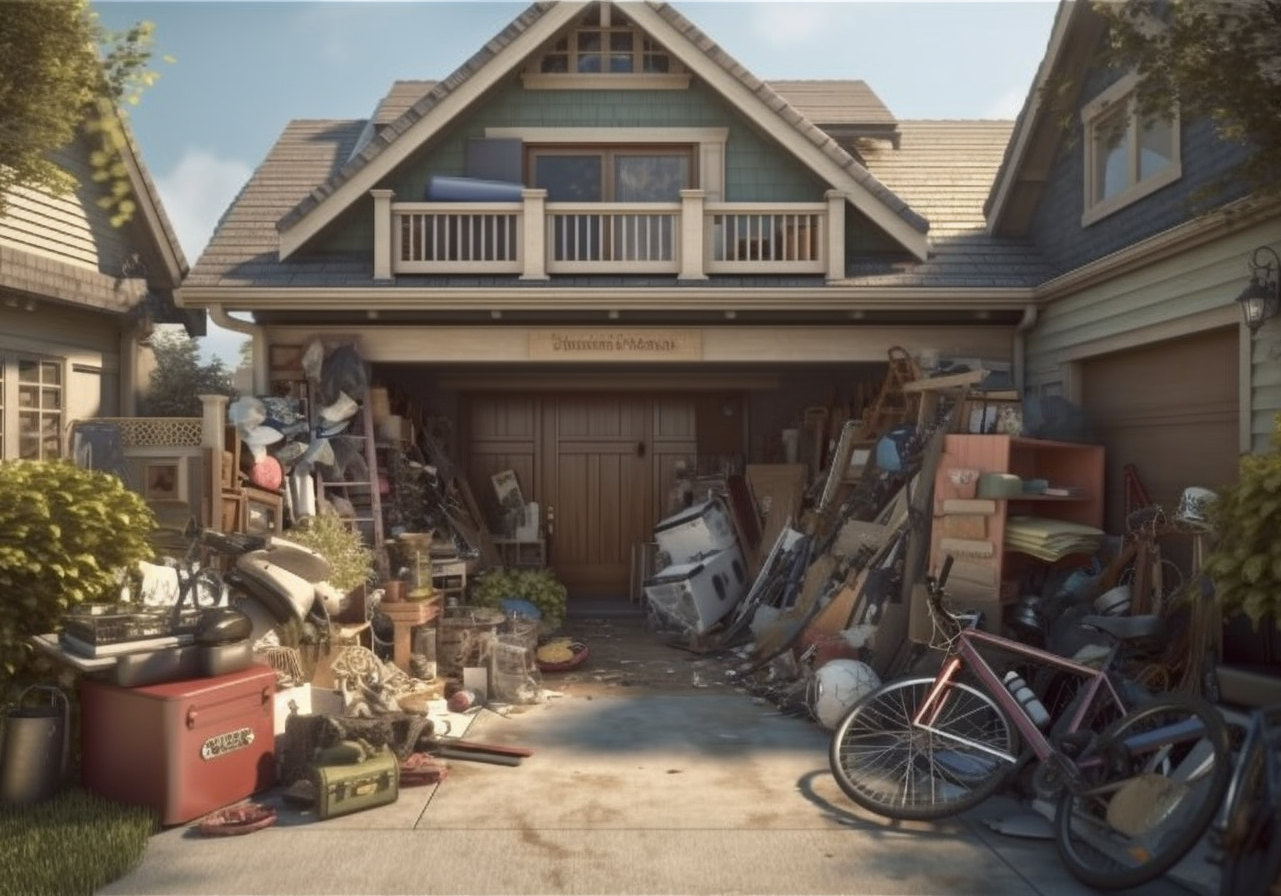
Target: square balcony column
x,y
835,234
382,233
692,235
533,235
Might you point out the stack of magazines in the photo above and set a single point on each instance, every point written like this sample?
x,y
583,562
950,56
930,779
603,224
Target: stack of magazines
x,y
103,630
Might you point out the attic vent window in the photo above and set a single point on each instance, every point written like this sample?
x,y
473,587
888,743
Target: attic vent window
x,y
601,54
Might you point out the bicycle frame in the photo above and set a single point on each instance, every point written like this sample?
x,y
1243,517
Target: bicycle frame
x,y
967,654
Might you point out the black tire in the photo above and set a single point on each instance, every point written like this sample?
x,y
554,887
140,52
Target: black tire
x,y
1249,833
1142,813
886,766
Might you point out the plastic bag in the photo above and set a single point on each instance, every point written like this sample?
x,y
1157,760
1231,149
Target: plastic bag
x,y
343,371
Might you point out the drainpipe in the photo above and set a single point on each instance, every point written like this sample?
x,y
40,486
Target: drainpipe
x,y
220,316
1020,349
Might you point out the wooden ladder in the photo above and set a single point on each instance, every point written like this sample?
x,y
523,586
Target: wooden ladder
x,y
892,405
363,494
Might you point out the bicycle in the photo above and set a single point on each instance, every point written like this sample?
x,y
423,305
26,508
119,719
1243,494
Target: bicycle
x,y
1137,786
1246,833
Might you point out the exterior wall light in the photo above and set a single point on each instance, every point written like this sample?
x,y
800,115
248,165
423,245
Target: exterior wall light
x,y
1261,298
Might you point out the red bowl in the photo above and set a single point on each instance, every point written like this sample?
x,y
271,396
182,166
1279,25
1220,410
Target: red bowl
x,y
580,656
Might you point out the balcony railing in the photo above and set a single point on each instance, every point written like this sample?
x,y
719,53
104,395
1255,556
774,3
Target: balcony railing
x,y
534,238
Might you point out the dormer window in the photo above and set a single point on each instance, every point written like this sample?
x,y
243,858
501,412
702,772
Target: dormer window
x,y
605,51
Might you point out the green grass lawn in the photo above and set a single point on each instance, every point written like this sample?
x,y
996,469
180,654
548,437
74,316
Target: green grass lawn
x,y
70,845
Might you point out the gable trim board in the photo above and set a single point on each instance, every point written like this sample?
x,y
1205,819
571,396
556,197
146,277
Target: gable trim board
x,y
757,102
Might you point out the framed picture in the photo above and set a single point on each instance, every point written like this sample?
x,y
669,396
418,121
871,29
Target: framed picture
x,y
232,512
262,511
165,480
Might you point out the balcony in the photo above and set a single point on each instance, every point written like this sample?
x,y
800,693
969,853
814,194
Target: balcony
x,y
535,239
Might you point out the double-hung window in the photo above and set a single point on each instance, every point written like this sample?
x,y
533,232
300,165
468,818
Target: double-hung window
x,y
1127,155
32,409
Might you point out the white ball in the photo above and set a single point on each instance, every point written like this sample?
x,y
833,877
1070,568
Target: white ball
x,y
837,685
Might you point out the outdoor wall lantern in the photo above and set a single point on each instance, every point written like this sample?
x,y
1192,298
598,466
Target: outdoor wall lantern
x,y
1261,297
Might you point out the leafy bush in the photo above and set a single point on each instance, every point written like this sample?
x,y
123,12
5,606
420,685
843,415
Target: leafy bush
x,y
66,534
1245,562
538,586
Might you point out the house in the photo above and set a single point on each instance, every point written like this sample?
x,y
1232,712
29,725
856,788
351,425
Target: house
x,y
602,249
78,299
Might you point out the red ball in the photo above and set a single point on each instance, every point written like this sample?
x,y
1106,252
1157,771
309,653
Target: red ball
x,y
461,701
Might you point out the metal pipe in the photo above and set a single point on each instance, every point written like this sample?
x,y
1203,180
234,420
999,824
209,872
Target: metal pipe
x,y
256,333
1026,323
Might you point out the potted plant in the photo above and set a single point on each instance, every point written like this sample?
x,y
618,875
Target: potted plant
x,y
539,587
351,563
1245,560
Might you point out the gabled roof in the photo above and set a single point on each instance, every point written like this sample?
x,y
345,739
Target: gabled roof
x,y
1038,133
944,168
755,99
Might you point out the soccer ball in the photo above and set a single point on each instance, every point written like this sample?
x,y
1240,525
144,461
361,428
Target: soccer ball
x,y
837,685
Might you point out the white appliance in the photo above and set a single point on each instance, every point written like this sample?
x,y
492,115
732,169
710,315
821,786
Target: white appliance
x,y
696,595
695,531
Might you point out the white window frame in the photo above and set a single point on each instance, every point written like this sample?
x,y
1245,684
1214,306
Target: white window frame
x,y
709,144
10,409
1097,110
675,78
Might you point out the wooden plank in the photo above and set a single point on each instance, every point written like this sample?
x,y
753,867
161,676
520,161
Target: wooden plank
x,y
783,486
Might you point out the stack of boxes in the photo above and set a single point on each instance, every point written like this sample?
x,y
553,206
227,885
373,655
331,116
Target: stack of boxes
x,y
701,574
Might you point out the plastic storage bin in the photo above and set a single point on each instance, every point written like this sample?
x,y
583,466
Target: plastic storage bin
x,y
698,594
697,530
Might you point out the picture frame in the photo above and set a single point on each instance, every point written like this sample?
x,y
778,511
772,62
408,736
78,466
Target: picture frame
x,y
262,511
231,516
165,480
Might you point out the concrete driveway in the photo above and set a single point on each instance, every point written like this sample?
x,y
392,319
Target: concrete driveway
x,y
709,792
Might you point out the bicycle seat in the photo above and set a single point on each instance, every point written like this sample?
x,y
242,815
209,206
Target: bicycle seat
x,y
1127,628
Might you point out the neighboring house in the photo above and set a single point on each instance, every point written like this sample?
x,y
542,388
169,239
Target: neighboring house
x,y
602,248
78,299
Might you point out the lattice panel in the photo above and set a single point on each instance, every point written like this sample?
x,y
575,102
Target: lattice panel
x,y
157,432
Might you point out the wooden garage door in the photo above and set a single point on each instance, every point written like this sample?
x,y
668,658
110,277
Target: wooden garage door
x,y
599,465
1171,410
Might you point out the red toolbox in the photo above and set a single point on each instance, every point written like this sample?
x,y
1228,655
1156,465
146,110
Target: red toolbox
x,y
184,748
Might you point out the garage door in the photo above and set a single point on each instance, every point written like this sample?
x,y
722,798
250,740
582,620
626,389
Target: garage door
x,y
1172,411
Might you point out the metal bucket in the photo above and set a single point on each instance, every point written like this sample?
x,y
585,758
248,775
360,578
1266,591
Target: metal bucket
x,y
34,747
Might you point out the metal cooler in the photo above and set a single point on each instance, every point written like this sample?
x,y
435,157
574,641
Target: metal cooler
x,y
183,748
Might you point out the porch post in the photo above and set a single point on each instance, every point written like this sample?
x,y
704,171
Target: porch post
x,y
533,228
835,234
692,231
382,233
213,419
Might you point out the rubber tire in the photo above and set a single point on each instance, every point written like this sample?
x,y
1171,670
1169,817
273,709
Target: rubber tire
x,y
1114,878
1253,860
881,700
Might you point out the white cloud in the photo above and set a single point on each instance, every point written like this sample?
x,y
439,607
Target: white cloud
x,y
196,192
1008,105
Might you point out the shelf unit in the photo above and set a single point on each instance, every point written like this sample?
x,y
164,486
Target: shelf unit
x,y
522,553
978,580
449,579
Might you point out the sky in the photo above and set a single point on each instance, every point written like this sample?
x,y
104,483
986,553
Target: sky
x,y
240,71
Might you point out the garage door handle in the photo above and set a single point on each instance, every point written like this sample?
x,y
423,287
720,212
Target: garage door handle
x,y
640,449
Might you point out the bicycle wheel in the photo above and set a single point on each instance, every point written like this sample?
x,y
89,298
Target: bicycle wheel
x,y
890,767
1249,834
1147,803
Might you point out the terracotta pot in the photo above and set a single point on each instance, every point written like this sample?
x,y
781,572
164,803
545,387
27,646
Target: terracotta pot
x,y
393,591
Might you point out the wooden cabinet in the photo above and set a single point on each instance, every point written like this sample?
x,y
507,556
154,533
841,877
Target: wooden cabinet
x,y
973,529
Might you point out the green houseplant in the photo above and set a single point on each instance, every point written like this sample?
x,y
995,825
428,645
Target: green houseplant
x,y
329,535
1245,561
538,586
66,536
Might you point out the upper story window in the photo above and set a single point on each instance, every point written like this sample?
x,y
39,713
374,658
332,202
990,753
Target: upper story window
x,y
612,174
1126,156
605,51
32,410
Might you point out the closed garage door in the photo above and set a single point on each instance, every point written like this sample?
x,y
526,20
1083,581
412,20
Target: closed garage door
x,y
1172,411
